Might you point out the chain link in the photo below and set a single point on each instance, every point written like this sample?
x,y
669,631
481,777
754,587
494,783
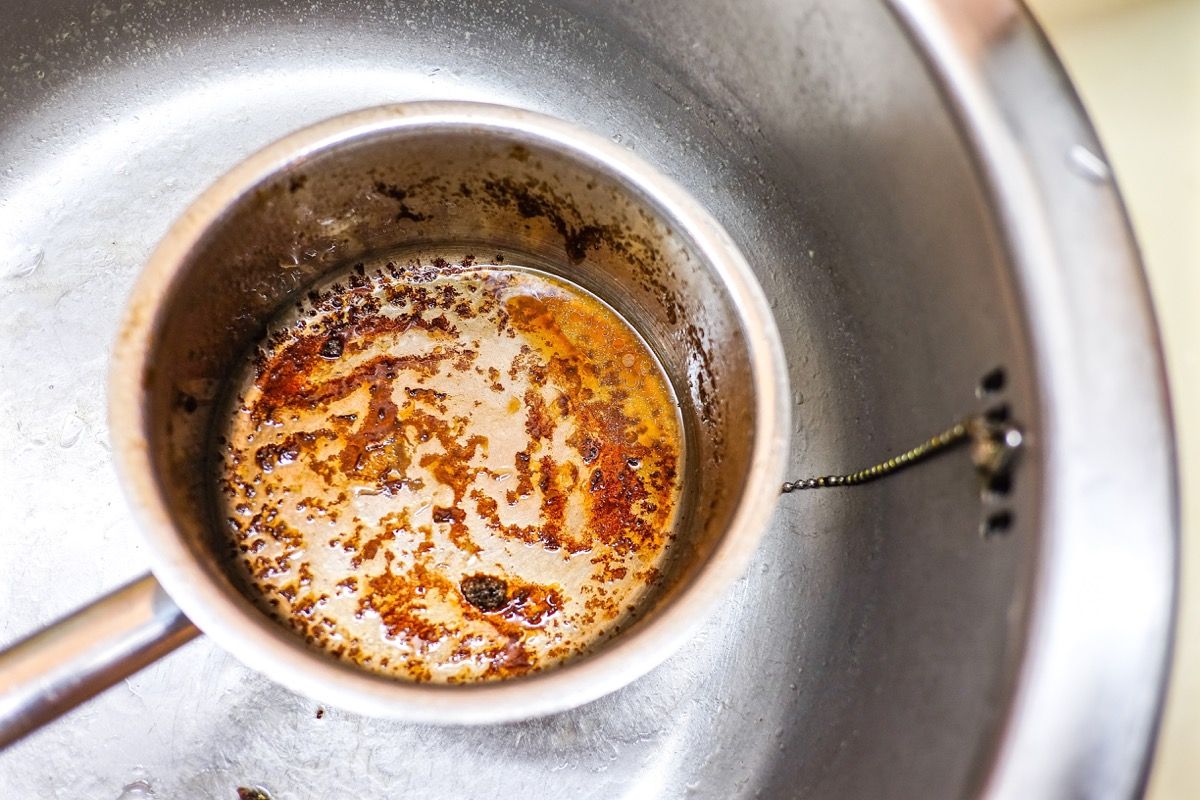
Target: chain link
x,y
993,447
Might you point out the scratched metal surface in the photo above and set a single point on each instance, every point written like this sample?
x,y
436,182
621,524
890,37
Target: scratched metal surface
x,y
870,621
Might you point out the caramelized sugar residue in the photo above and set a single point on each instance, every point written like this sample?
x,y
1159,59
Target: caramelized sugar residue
x,y
452,472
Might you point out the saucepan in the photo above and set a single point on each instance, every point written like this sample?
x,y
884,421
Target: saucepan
x,y
490,181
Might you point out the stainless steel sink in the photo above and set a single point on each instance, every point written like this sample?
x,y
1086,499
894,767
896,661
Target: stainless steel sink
x,y
923,201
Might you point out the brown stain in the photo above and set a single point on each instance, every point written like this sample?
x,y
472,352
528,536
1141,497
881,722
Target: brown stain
x,y
401,197
596,366
384,433
398,599
533,200
538,422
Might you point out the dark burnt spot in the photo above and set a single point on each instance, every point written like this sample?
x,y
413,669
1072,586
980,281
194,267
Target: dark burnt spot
x,y
297,183
486,592
581,240
332,347
400,196
578,236
270,456
394,192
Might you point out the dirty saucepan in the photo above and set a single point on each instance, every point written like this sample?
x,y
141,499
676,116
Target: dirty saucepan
x,y
452,391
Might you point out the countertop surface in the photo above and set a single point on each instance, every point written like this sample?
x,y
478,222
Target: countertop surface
x,y
1137,67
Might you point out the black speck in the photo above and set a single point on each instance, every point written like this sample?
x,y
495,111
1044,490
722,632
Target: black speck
x,y
993,381
997,523
1000,484
485,592
394,192
399,195
580,240
333,347
998,414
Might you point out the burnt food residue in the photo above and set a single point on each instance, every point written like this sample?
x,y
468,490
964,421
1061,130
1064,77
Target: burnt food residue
x,y
451,472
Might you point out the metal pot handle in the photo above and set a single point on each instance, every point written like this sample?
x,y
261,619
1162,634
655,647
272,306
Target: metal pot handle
x,y
69,661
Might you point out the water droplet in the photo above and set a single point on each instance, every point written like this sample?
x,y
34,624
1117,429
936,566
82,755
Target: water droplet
x,y
25,261
305,254
135,790
1088,164
616,137
72,429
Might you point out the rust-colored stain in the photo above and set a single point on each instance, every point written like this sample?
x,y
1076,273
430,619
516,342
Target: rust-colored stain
x,y
451,472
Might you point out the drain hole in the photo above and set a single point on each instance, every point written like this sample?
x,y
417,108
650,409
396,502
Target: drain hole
x,y
997,523
998,415
993,381
1000,484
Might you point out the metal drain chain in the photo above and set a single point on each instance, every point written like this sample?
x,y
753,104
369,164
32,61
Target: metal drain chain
x,y
994,446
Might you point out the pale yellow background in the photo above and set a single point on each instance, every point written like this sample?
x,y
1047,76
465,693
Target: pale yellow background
x,y
1137,65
